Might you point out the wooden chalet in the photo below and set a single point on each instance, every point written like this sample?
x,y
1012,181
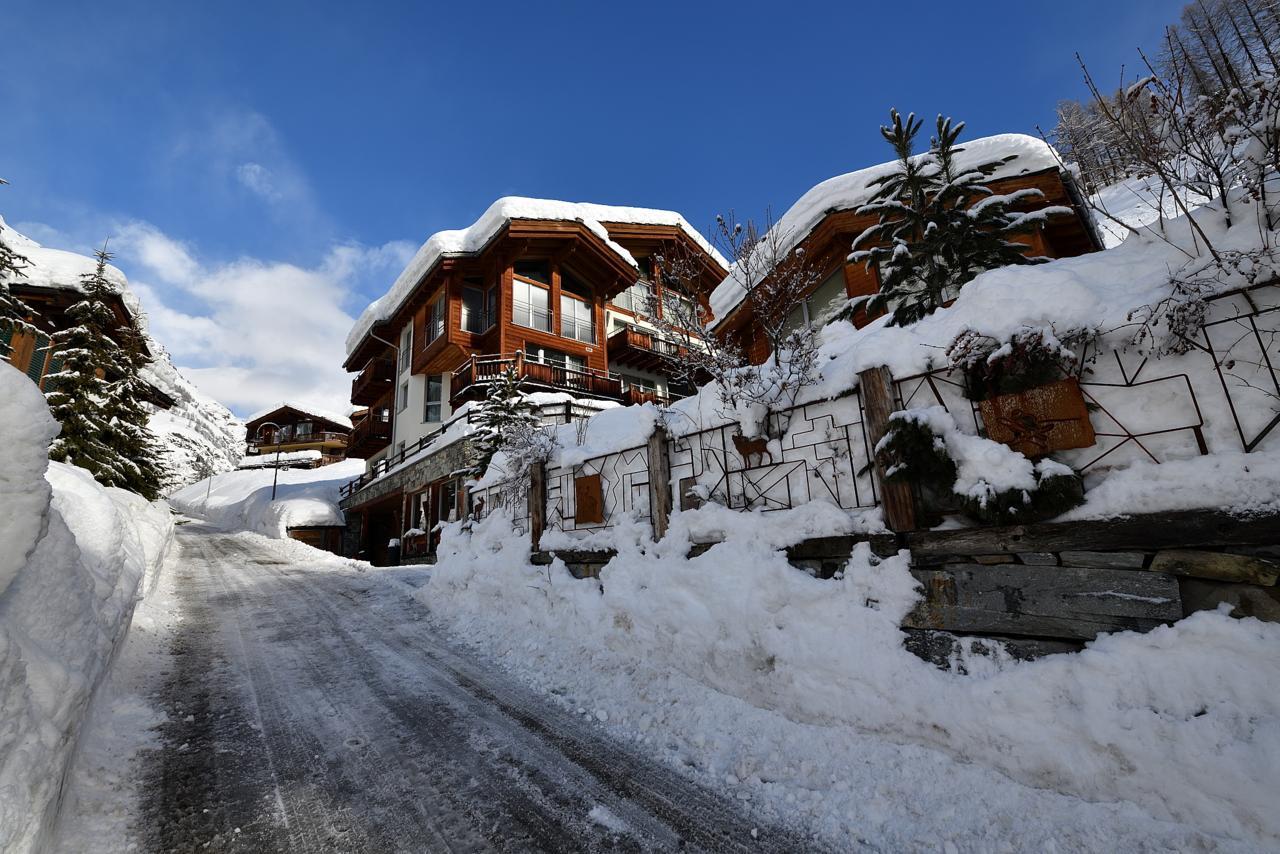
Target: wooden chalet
x,y
34,353
288,429
825,222
556,291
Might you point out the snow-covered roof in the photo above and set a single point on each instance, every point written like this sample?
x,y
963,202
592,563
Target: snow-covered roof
x,y
473,238
57,269
340,420
854,189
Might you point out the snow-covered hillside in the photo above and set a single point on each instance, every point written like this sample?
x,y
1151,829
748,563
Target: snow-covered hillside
x,y
199,435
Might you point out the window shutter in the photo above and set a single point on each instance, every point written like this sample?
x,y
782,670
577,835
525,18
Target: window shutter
x,y
35,369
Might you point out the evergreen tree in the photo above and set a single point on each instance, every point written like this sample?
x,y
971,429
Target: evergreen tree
x,y
504,412
129,415
939,225
14,313
79,393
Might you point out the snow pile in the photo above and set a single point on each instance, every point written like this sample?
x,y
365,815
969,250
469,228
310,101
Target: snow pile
x,y
259,461
854,189
241,500
1177,725
476,236
198,435
75,559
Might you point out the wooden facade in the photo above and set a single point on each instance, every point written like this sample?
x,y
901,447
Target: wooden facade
x,y
33,352
829,244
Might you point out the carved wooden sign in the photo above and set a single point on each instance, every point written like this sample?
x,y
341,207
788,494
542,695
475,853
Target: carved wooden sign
x,y
1051,417
588,500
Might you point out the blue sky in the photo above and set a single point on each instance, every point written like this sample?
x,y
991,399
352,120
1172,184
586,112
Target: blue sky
x,y
305,148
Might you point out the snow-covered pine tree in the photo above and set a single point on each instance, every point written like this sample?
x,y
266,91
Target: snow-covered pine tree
x,y
504,412
939,225
129,415
14,313
79,392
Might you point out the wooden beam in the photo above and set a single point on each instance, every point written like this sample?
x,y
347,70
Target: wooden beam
x,y
659,482
896,497
1179,529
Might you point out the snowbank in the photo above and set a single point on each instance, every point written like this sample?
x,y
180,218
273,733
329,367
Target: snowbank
x,y
474,237
76,557
241,500
1177,725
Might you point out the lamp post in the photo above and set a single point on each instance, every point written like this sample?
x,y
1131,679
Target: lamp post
x,y
275,474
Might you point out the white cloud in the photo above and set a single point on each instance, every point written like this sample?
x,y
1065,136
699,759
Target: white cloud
x,y
253,332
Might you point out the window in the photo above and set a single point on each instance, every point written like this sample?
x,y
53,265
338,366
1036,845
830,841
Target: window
x,y
645,263
538,271
635,298
406,344
577,320
547,356
435,319
476,313
639,383
435,399
303,429
818,307
402,397
529,306
676,307
448,492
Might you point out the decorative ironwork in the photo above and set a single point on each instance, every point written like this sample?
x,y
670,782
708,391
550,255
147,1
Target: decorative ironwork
x,y
816,450
624,491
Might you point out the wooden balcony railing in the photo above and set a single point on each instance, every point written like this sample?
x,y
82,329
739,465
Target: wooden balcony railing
x,y
286,439
473,374
369,435
373,382
643,348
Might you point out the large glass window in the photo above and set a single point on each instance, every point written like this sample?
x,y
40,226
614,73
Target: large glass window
x,y
635,298
436,319
406,353
435,399
474,313
529,306
577,320
402,397
818,307
547,356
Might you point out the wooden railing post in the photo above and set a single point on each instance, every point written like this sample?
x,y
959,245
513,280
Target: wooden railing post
x,y
877,400
537,503
659,481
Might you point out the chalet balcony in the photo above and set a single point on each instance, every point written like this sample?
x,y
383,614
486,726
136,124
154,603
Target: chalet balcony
x,y
373,382
643,349
472,377
370,435
269,444
634,395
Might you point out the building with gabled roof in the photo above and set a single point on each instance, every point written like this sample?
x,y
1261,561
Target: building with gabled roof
x,y
290,429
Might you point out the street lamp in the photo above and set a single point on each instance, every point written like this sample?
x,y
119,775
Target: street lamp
x,y
275,475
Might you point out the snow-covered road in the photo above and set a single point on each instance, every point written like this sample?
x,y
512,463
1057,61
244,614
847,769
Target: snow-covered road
x,y
313,709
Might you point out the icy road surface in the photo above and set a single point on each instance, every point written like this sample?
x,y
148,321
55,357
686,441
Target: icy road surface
x,y
312,709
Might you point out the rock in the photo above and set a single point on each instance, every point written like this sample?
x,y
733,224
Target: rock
x,y
1109,560
1038,558
1248,600
1218,566
992,560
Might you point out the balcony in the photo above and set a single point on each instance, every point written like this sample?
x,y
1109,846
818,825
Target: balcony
x,y
637,347
287,440
471,378
373,382
370,435
634,396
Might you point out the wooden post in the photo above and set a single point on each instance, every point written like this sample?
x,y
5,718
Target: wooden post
x,y
537,503
659,482
877,401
